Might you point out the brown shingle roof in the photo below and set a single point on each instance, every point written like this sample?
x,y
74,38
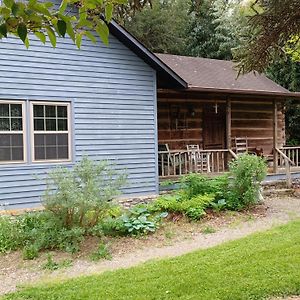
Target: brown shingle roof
x,y
217,74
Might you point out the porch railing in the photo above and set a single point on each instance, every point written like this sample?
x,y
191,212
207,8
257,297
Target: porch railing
x,y
293,153
285,162
175,163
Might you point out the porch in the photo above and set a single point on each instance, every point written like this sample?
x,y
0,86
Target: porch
x,y
199,133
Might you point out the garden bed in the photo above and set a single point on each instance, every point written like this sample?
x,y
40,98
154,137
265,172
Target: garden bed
x,y
172,239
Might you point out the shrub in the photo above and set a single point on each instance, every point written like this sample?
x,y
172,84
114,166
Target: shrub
x,y
193,208
82,195
37,231
30,251
195,184
139,220
219,205
247,171
10,234
111,226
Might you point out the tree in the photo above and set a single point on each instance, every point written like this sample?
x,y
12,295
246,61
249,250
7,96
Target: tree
x,y
161,27
75,18
212,29
273,32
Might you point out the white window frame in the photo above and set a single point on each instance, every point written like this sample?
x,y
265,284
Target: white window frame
x,y
23,131
33,132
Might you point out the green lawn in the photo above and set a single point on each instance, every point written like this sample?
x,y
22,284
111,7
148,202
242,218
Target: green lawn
x,y
255,267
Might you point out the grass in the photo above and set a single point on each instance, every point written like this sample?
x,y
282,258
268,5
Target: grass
x,y
257,267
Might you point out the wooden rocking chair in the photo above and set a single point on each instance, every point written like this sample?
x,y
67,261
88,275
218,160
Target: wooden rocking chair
x,y
167,161
199,161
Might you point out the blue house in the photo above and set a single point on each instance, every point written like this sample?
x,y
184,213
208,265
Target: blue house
x,y
57,105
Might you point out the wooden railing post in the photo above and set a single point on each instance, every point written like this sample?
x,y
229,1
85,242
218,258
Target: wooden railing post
x,y
275,131
288,173
228,129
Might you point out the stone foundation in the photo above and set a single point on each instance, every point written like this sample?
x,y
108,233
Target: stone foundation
x,y
131,201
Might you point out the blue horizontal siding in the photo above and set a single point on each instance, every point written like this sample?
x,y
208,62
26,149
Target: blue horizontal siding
x,y
113,98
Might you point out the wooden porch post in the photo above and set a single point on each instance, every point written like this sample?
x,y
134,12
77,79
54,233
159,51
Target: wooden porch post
x,y
228,124
275,133
228,130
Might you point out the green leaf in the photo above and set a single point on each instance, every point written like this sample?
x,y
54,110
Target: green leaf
x,y
52,36
109,12
26,42
91,36
3,29
40,36
32,2
41,8
70,31
62,27
8,3
78,40
22,31
63,6
15,9
103,32
5,12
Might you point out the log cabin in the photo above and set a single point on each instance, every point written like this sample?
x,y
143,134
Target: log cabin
x,y
221,113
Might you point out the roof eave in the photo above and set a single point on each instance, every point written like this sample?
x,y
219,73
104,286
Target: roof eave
x,y
290,95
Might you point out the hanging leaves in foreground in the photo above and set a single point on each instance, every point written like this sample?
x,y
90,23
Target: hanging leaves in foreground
x,y
72,18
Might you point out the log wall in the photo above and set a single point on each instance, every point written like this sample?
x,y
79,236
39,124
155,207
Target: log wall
x,y
254,120
180,122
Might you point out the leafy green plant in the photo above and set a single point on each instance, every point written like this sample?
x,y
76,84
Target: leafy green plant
x,y
102,252
82,195
10,234
139,220
247,172
46,232
208,230
30,251
193,208
219,205
111,226
52,265
196,184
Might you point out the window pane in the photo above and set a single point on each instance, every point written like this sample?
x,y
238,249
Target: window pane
x,y
50,124
51,140
39,153
62,111
62,139
16,110
51,152
38,110
4,124
17,153
4,140
5,154
4,110
50,111
39,124
63,152
62,124
17,140
16,124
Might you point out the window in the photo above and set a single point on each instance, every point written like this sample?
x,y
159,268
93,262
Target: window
x,y
51,132
11,132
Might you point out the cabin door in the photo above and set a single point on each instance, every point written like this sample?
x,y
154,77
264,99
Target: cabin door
x,y
214,126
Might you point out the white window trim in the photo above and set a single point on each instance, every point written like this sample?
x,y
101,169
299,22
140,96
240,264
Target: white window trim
x,y
32,131
24,131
